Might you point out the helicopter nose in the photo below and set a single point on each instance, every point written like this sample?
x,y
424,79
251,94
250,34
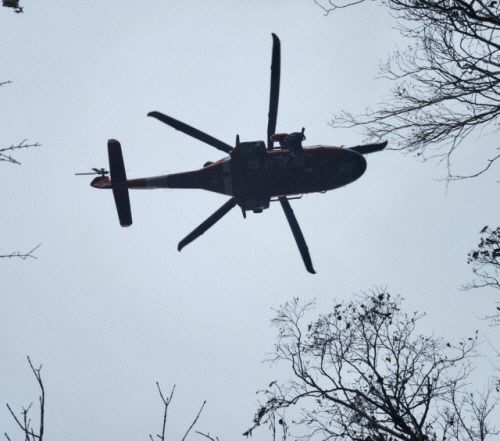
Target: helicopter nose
x,y
353,166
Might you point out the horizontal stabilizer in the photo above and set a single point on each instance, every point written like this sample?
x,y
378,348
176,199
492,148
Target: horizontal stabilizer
x,y
116,165
118,176
122,202
369,148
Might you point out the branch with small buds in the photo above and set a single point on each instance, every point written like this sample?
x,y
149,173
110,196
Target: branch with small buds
x,y
21,145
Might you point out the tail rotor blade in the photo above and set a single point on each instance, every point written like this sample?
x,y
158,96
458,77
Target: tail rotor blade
x,y
191,131
297,234
197,232
275,90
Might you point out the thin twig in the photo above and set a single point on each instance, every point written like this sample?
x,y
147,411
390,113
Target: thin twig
x,y
22,256
38,377
21,145
25,425
166,402
207,435
194,422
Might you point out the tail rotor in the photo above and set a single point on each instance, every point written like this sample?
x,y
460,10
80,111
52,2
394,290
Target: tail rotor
x,y
96,171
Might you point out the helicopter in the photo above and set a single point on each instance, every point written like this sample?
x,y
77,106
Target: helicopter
x,y
252,175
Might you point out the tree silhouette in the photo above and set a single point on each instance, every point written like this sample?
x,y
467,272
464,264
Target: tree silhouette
x,y
446,83
362,373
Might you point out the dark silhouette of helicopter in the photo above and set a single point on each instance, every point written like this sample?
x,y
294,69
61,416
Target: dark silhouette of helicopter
x,y
14,4
254,174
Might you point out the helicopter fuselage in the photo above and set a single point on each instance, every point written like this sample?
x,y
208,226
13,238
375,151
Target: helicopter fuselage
x,y
253,175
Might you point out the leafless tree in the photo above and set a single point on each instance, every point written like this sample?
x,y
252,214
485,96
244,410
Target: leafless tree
x,y
446,83
24,420
362,373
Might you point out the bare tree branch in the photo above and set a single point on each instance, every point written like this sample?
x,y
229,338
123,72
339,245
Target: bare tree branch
x,y
21,145
485,262
194,422
24,422
446,84
20,255
207,435
166,403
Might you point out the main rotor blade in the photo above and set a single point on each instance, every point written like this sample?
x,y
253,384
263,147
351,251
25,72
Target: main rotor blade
x,y
275,90
297,233
191,131
197,232
369,148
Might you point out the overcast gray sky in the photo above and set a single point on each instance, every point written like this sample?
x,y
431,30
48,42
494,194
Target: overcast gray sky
x,y
109,311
